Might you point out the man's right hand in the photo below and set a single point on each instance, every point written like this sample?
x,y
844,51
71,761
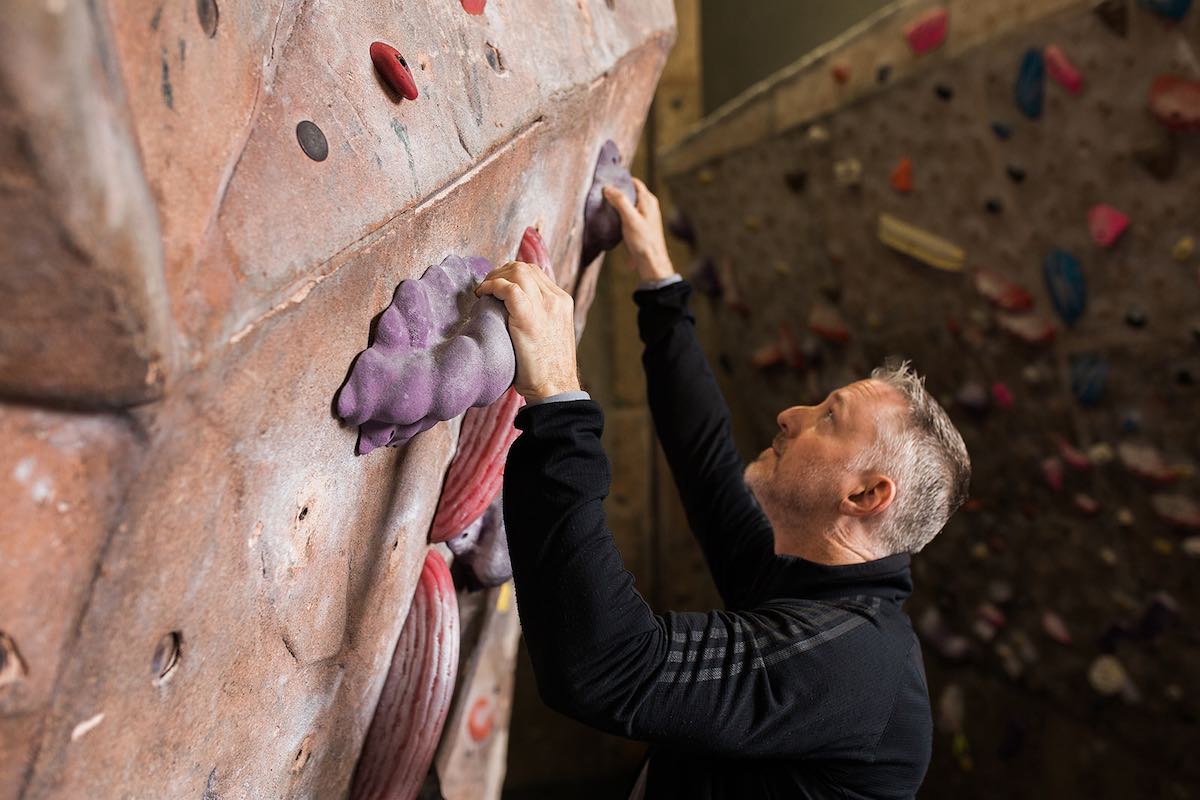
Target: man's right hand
x,y
642,229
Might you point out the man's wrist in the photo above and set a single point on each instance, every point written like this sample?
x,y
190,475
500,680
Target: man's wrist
x,y
549,390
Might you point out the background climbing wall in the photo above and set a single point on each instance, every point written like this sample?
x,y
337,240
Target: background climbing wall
x,y
201,585
1083,515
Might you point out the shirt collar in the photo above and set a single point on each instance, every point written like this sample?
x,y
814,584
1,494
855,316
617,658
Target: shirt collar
x,y
889,578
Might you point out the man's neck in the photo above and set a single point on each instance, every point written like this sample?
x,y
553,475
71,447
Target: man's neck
x,y
835,547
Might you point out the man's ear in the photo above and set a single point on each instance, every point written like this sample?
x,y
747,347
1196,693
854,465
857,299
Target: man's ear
x,y
872,496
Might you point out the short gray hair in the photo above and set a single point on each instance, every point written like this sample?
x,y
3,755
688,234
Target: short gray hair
x,y
926,457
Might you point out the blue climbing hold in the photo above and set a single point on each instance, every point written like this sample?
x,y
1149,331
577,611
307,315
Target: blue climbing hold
x,y
1089,374
1174,10
1003,132
1068,289
1031,84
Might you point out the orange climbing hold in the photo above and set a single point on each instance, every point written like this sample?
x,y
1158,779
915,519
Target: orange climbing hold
x,y
902,176
474,7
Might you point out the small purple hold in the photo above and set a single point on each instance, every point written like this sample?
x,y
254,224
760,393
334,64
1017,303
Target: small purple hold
x,y
483,547
601,222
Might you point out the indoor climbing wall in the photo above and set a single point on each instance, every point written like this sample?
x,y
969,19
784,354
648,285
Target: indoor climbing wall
x,y
1007,193
206,208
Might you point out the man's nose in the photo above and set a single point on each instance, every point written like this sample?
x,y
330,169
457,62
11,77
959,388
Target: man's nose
x,y
789,420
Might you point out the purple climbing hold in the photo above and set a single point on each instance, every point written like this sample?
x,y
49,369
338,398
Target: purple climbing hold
x,y
1030,89
601,222
438,350
1065,281
704,276
973,397
1089,374
483,547
1174,10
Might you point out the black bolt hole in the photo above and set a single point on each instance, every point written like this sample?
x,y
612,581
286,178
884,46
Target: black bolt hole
x,y
303,513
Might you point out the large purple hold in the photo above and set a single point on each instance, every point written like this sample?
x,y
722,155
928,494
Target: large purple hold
x,y
438,350
483,547
601,222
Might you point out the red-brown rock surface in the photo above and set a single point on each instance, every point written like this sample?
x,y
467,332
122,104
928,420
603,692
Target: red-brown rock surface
x,y
194,285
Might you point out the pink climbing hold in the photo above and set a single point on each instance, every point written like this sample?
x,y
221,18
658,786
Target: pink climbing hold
x,y
394,69
417,692
1177,510
927,32
1146,462
1086,503
1175,102
477,471
1056,629
1106,224
1052,471
1001,292
474,7
1062,70
1074,458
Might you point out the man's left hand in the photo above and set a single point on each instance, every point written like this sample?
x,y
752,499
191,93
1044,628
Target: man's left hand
x,y
541,322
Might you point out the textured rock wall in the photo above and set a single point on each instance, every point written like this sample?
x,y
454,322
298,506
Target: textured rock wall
x,y
201,585
785,191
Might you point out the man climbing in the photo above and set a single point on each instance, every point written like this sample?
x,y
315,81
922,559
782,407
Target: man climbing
x,y
810,682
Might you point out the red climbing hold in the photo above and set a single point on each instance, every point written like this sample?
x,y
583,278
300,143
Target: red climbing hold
x,y
1028,328
394,70
1106,224
826,322
767,356
902,176
1002,396
1002,292
533,251
928,31
841,72
474,7
1175,102
1062,70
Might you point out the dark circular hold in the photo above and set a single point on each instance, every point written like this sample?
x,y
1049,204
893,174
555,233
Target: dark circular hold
x,y
1016,174
1184,377
944,92
1135,317
312,141
994,206
208,13
883,74
166,657
796,181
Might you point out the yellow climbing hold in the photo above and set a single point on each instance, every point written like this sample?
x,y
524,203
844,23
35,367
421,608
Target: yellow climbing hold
x,y
1164,546
1183,249
705,176
920,244
504,599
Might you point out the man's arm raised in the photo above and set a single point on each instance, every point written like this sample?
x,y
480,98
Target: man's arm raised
x,y
690,414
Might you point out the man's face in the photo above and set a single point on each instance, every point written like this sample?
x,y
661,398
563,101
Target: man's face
x,y
806,471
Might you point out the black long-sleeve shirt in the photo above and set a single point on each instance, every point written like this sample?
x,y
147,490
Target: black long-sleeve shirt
x,y
809,684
